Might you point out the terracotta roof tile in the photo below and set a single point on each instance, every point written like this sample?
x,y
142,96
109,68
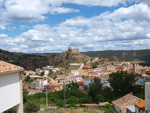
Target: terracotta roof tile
x,y
7,67
126,100
141,104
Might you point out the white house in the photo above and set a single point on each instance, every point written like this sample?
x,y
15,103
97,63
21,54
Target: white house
x,y
34,91
10,87
70,79
122,104
78,78
74,72
87,81
56,69
38,84
39,71
46,72
30,72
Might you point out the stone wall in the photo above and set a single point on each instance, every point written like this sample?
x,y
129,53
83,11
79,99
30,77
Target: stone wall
x,y
70,50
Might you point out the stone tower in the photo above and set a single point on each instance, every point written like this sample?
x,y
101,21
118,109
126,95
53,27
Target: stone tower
x,y
70,50
135,66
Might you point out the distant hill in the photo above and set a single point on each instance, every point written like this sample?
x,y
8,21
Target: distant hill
x,y
28,61
33,61
128,55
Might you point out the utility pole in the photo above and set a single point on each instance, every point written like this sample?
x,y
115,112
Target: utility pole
x,y
64,93
46,98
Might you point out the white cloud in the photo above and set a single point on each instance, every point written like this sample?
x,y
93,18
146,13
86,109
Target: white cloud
x,y
35,10
29,10
90,2
144,1
59,10
2,27
125,28
3,36
24,26
25,10
140,12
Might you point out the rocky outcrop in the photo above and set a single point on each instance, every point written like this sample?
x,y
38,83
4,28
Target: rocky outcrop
x,y
55,59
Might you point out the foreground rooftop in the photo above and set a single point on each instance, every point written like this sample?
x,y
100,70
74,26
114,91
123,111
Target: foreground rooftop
x,y
7,67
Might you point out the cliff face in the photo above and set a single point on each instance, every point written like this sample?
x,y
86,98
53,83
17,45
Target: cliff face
x,y
55,59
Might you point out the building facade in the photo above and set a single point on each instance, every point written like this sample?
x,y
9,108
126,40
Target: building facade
x,y
147,97
10,87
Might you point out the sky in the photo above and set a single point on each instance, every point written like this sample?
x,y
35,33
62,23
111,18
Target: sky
x,y
51,26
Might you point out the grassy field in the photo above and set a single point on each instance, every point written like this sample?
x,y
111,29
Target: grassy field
x,y
80,110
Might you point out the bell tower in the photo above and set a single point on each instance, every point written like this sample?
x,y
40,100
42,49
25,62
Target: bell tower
x,y
135,66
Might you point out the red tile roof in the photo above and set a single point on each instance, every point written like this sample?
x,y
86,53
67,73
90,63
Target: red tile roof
x,y
120,68
80,83
78,76
126,100
7,67
30,71
141,105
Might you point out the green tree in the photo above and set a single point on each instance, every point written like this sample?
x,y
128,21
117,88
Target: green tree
x,y
99,98
25,93
95,88
11,110
42,73
72,85
72,100
27,79
50,73
122,82
31,107
94,66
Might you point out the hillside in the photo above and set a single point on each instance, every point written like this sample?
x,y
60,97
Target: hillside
x,y
65,57
28,61
33,61
129,55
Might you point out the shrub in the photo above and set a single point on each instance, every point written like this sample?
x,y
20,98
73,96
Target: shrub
x,y
31,107
11,110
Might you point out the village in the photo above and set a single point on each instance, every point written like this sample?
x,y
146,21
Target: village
x,y
51,79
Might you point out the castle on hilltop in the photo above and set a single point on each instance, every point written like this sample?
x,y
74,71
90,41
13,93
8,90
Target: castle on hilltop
x,y
70,50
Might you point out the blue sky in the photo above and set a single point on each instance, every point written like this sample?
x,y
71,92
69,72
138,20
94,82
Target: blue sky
x,y
50,26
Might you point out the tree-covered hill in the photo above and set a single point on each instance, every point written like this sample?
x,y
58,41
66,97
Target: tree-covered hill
x,y
33,61
129,55
28,61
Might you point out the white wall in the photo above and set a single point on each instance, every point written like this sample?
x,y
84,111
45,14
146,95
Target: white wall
x,y
147,96
87,82
117,109
9,91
